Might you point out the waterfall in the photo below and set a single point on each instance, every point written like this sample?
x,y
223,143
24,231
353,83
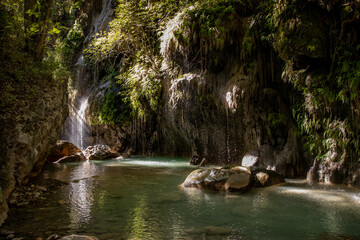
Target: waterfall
x,y
82,121
77,129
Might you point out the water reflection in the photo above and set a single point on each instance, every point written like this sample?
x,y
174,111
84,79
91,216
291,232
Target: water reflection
x,y
140,224
126,200
81,194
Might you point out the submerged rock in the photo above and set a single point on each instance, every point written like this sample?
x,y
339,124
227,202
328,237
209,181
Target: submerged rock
x,y
100,152
63,149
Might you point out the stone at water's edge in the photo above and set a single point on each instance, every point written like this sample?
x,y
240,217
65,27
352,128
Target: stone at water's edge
x,y
267,178
334,173
78,237
218,179
65,151
234,179
100,152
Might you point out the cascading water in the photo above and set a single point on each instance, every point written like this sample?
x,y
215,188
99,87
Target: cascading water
x,y
82,121
76,129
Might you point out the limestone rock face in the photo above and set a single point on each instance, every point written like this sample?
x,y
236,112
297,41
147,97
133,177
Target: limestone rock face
x,y
100,152
30,126
334,173
63,149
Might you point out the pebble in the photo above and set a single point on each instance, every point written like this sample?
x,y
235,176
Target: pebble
x,y
41,188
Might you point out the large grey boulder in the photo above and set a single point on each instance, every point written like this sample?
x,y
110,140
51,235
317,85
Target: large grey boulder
x,y
219,179
100,152
233,179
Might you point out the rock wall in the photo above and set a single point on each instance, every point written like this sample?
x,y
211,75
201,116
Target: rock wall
x,y
229,110
217,111
30,127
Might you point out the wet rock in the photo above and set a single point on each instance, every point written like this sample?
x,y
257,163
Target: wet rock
x,y
53,237
285,161
78,237
62,149
100,152
41,188
204,162
232,178
195,160
10,236
77,157
218,179
267,178
215,230
334,172
237,182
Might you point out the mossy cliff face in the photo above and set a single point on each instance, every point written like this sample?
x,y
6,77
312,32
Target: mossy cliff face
x,y
274,81
232,108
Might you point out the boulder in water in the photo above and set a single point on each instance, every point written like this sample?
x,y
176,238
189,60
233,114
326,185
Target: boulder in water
x,y
63,149
100,152
218,179
267,178
232,178
195,160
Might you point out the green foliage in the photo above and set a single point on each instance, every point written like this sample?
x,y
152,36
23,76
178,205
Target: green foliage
x,y
143,89
115,108
325,102
209,27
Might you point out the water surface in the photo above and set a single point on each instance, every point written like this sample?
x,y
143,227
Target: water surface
x,y
140,198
